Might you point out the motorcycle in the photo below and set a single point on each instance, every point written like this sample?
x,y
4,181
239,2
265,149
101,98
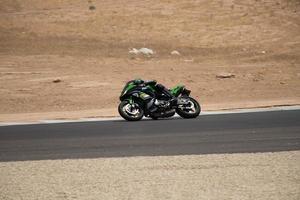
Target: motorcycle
x,y
139,99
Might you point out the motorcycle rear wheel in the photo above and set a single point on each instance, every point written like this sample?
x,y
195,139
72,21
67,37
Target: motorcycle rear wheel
x,y
130,112
192,111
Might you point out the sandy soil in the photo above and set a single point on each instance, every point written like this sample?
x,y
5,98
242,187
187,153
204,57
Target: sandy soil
x,y
87,50
217,177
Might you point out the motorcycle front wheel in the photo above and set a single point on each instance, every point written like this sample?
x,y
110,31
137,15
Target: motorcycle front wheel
x,y
191,110
130,112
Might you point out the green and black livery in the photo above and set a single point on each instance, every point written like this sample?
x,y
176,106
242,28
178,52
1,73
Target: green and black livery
x,y
138,98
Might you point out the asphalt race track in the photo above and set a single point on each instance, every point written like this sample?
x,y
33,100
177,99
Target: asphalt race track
x,y
223,133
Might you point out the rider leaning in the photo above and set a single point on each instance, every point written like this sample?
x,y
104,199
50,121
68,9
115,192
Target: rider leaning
x,y
161,89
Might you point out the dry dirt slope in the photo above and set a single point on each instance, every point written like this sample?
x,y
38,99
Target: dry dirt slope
x,y
45,40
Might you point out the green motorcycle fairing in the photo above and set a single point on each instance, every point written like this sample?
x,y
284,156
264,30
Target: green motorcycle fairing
x,y
131,90
129,87
177,90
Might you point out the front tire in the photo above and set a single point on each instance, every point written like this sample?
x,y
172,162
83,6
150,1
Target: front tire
x,y
191,111
130,112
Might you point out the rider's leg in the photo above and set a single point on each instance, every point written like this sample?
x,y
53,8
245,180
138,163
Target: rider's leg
x,y
165,91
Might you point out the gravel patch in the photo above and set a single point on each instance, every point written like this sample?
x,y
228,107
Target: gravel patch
x,y
225,176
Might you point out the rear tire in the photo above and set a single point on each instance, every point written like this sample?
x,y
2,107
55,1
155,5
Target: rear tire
x,y
135,115
184,113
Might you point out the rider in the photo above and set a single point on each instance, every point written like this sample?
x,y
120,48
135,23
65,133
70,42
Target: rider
x,y
160,89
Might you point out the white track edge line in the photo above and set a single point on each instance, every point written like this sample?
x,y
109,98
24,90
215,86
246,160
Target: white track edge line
x,y
220,112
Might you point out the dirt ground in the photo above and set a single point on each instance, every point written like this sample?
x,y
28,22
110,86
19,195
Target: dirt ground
x,y
72,55
260,176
